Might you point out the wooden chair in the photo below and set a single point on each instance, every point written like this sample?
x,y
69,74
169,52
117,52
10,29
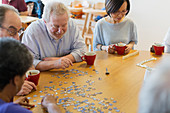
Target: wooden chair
x,y
88,35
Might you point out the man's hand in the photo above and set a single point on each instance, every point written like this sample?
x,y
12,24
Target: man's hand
x,y
48,99
63,63
49,102
23,101
26,88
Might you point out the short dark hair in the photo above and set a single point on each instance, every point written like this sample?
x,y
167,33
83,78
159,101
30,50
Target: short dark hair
x,y
114,5
3,9
15,60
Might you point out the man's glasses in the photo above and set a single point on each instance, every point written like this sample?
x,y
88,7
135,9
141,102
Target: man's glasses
x,y
12,31
120,12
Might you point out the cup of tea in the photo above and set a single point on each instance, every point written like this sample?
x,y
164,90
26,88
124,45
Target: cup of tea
x,y
33,76
159,48
120,48
89,57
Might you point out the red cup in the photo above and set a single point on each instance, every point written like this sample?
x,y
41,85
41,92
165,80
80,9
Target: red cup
x,y
159,49
120,48
89,57
33,76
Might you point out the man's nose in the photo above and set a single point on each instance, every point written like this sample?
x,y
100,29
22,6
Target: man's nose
x,y
59,29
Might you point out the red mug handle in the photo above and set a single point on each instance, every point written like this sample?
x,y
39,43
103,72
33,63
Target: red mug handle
x,y
83,58
27,78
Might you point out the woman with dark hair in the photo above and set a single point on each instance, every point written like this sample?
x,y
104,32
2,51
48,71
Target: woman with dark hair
x,y
115,27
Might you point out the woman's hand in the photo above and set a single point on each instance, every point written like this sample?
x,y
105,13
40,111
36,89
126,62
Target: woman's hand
x,y
129,47
111,49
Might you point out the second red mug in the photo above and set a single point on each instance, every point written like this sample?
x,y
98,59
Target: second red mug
x,y
89,57
159,48
120,48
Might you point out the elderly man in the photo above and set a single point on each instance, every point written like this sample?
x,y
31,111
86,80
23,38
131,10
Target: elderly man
x,y
55,40
10,26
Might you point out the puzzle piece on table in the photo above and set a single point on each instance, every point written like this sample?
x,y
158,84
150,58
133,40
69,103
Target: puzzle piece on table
x,y
90,103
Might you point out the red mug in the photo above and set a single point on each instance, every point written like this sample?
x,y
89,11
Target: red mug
x,y
33,76
159,48
89,57
120,48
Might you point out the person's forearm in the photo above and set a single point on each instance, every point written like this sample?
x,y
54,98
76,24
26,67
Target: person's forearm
x,y
53,108
103,47
25,13
70,56
45,65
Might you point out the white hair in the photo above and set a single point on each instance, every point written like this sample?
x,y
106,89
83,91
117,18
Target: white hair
x,y
54,8
155,93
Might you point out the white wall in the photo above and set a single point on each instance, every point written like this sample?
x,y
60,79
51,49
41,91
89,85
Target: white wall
x,y
152,18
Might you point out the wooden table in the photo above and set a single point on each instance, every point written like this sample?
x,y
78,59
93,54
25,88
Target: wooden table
x,y
122,84
26,20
